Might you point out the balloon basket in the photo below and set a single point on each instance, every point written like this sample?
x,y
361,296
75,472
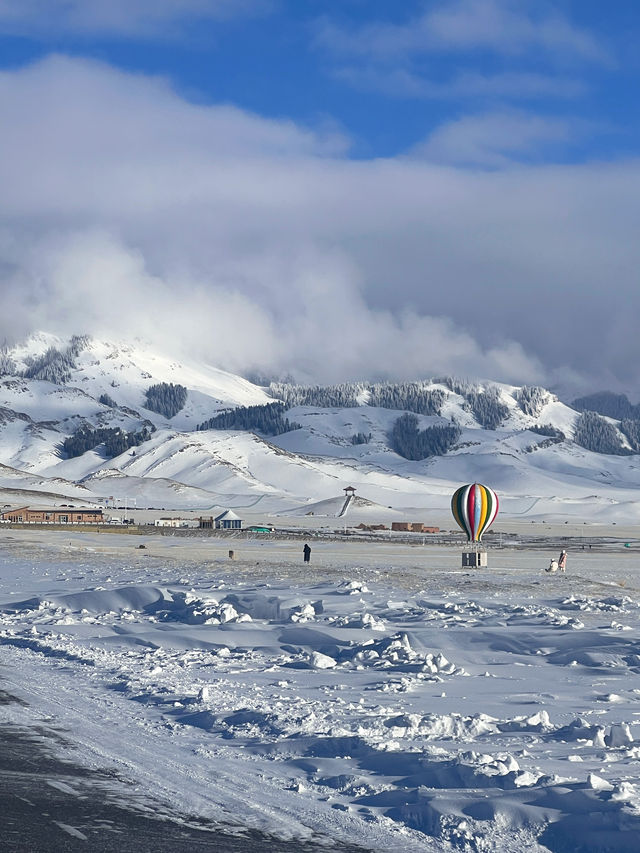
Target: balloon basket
x,y
474,559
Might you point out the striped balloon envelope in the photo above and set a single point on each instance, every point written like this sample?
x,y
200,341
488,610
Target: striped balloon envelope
x,y
475,508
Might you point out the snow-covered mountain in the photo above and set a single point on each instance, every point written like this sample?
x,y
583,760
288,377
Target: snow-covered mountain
x,y
51,388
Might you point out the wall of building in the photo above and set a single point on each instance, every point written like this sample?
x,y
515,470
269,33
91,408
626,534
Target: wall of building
x,y
413,527
53,516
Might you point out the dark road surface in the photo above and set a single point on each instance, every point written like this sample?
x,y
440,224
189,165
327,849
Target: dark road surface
x,y
49,805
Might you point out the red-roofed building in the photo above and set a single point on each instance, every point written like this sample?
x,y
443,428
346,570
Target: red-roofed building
x,y
52,515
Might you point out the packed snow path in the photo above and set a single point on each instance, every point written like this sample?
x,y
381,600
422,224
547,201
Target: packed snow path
x,y
397,701
345,506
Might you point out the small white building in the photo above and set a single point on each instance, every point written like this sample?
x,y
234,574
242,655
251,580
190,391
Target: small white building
x,y
228,520
176,522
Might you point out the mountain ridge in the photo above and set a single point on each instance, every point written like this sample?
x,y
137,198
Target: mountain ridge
x,y
528,454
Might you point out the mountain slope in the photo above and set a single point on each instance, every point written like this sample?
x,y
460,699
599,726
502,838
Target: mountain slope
x,y
334,447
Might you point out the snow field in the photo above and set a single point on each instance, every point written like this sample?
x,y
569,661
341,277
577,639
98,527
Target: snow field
x,y
488,710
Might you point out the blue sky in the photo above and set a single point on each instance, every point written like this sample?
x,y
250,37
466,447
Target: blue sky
x,y
451,185
386,74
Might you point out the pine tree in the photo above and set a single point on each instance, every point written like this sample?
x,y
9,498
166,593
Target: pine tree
x,y
457,386
532,399
115,440
608,404
267,420
166,399
54,366
106,400
360,438
414,397
77,344
487,407
7,364
344,396
548,430
593,432
411,443
631,429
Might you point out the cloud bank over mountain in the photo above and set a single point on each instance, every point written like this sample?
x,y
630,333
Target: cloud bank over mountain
x,y
261,244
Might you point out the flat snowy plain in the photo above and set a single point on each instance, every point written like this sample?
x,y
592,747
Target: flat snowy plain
x,y
381,696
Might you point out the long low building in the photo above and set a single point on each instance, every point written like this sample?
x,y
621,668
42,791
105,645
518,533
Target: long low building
x,y
413,527
53,515
176,522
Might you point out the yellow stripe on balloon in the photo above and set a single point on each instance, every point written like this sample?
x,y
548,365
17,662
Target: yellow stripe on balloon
x,y
483,513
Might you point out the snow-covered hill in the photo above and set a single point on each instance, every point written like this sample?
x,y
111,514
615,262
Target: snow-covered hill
x,y
45,399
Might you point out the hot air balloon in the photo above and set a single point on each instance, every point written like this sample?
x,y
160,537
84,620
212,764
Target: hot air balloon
x,y
474,508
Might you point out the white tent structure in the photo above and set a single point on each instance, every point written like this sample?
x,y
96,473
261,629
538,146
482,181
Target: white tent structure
x,y
228,520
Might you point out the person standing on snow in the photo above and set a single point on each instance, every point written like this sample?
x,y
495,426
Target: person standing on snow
x,y
562,561
307,552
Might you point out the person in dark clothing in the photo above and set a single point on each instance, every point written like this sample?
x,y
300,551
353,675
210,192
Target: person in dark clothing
x,y
307,552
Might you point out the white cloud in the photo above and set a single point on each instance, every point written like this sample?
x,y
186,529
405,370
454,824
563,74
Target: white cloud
x,y
493,139
504,26
257,243
509,26
89,279
407,83
124,18
320,327
534,51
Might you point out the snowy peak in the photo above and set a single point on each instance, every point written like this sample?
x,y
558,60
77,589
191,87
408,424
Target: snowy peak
x,y
122,373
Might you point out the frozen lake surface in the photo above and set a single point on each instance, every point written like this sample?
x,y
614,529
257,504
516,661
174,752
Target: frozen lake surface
x,y
382,696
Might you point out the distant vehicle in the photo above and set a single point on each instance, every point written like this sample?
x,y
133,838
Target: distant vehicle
x,y
260,528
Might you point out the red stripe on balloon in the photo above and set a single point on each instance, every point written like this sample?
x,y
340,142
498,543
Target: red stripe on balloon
x,y
471,512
